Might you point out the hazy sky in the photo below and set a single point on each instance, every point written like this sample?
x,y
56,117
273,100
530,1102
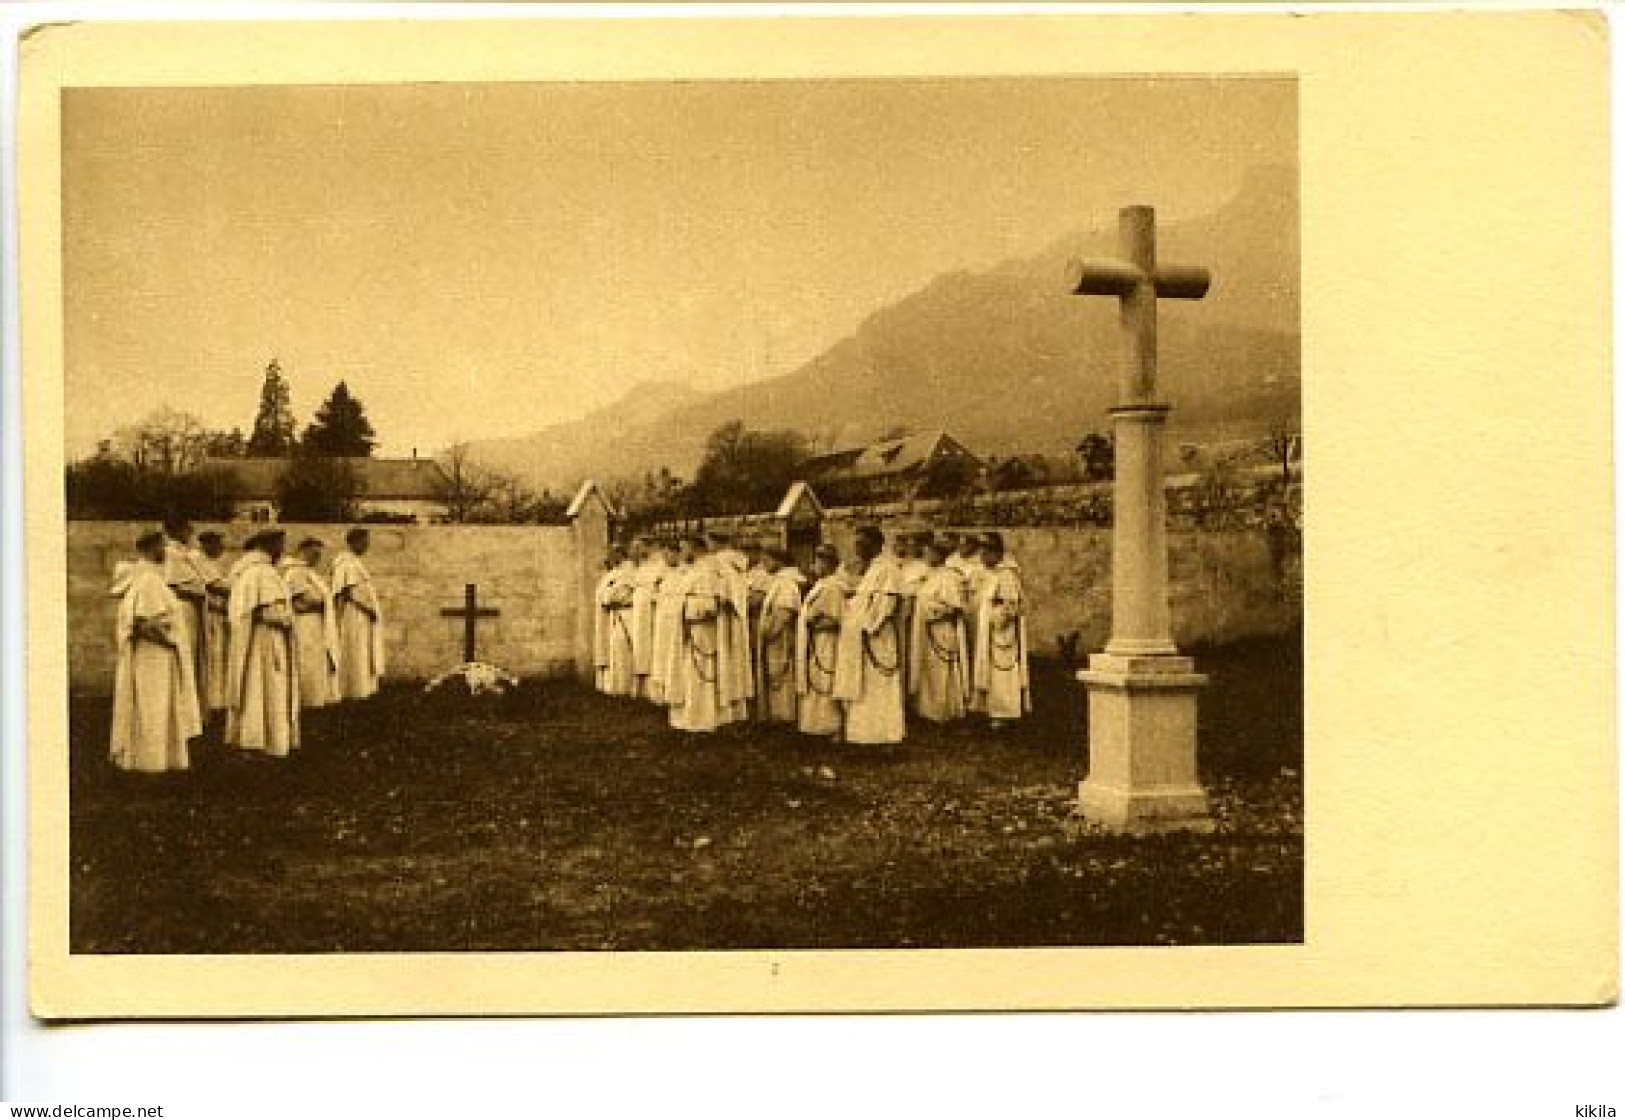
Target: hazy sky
x,y
487,259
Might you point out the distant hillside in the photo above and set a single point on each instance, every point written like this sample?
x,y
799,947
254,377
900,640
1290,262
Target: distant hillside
x,y
1005,359
594,445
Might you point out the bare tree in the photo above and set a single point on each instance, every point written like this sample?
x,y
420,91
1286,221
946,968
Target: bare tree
x,y
466,486
475,493
513,502
167,441
1285,447
625,493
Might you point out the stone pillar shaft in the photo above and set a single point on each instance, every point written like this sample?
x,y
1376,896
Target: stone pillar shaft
x,y
1141,625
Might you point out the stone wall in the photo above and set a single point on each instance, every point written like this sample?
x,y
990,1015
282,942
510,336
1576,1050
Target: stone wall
x,y
1235,557
531,574
1225,584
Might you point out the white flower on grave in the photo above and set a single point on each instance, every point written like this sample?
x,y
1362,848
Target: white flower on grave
x,y
478,677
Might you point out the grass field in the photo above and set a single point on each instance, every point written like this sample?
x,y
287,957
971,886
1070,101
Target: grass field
x,y
561,819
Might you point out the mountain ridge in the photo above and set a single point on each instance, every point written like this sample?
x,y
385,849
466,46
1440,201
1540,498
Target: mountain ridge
x,y
1229,364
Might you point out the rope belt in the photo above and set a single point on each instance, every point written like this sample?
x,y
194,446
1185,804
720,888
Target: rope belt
x,y
786,669
699,655
869,655
813,663
1012,647
946,656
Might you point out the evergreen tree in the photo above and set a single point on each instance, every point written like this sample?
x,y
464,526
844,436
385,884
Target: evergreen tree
x,y
340,427
1098,454
744,470
316,488
273,424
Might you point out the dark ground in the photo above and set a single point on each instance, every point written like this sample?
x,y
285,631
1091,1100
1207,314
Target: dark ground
x,y
560,819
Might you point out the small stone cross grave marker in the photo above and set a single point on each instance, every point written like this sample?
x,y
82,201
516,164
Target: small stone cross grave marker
x,y
470,612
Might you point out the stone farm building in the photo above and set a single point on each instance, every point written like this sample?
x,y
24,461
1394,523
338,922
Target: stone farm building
x,y
400,488
891,470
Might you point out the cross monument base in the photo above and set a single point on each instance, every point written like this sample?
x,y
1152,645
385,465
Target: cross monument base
x,y
1142,744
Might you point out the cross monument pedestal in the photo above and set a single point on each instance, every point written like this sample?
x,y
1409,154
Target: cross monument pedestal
x,y
1142,692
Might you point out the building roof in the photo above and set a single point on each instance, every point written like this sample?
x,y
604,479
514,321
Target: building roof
x,y
377,479
884,458
590,489
798,493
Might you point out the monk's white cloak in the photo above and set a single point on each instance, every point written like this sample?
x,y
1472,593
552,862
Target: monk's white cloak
x,y
733,632
667,621
154,696
316,632
1000,683
912,573
216,637
869,668
263,714
186,581
645,597
612,636
939,671
361,636
817,650
703,685
776,647
971,574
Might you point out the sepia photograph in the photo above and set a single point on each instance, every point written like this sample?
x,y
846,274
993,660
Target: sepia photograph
x,y
684,515
605,517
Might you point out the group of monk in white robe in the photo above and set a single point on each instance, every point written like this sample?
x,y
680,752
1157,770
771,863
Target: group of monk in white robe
x,y
253,646
715,634
721,635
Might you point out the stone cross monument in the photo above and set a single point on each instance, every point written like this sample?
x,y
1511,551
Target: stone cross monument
x,y
1142,693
